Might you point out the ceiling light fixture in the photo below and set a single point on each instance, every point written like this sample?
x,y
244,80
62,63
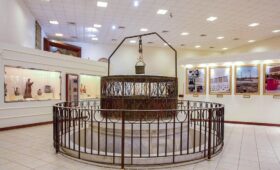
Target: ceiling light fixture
x,y
91,29
219,38
94,38
58,34
136,3
225,48
97,25
102,4
253,24
165,44
276,31
184,33
132,41
197,46
143,29
114,27
162,11
251,41
212,18
54,22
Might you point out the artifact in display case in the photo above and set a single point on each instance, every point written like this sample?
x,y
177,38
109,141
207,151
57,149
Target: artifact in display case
x,y
220,80
72,85
62,48
89,87
272,79
196,81
22,84
247,79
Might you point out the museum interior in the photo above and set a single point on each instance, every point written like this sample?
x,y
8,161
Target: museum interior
x,y
139,84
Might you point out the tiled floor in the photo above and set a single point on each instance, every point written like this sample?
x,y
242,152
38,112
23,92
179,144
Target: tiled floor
x,y
246,148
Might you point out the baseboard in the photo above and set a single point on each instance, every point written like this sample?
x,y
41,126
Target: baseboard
x,y
252,123
25,126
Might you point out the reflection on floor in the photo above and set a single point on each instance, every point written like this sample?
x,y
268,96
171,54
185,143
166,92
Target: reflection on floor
x,y
246,148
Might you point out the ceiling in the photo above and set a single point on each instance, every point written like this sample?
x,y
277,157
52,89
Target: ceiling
x,y
190,16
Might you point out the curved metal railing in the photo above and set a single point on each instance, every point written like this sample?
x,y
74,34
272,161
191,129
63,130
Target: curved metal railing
x,y
195,131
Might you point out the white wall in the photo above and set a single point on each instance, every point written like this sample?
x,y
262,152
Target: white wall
x,y
17,25
19,113
259,108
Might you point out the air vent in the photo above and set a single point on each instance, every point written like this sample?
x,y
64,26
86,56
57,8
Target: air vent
x,y
211,47
236,39
121,27
71,23
150,42
203,35
165,31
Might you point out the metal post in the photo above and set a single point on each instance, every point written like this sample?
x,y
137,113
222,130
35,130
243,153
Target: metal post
x,y
123,131
209,132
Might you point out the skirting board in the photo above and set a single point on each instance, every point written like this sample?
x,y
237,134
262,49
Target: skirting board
x,y
25,126
226,121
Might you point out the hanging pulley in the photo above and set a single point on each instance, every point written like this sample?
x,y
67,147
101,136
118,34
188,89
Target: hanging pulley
x,y
140,64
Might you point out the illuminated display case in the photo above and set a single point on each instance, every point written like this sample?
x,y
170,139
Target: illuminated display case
x,y
89,87
23,84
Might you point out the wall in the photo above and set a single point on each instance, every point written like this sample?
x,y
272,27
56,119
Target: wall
x,y
19,113
259,108
17,25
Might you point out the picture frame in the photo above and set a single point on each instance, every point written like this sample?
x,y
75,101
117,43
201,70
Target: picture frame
x,y
247,80
271,79
220,85
199,89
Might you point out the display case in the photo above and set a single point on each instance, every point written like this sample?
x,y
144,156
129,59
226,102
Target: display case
x,y
271,79
219,80
26,84
247,80
196,81
89,87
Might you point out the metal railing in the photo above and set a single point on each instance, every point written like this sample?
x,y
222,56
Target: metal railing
x,y
195,130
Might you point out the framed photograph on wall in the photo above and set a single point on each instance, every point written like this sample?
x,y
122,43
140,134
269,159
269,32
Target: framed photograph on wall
x,y
247,80
271,79
196,80
219,80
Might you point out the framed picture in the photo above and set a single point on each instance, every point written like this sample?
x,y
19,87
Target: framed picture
x,y
247,79
219,80
196,81
271,79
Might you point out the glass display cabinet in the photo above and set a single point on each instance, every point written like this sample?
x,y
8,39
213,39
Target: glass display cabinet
x,y
89,87
23,84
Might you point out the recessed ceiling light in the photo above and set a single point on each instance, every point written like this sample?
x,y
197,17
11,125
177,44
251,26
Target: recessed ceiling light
x,y
114,27
276,31
92,35
197,46
165,44
132,41
91,29
97,25
143,29
58,34
46,0
184,33
162,11
102,4
251,41
219,38
94,38
253,24
54,22
225,48
212,18
136,3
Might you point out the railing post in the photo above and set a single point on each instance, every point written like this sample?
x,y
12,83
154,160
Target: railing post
x,y
123,133
56,128
209,132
